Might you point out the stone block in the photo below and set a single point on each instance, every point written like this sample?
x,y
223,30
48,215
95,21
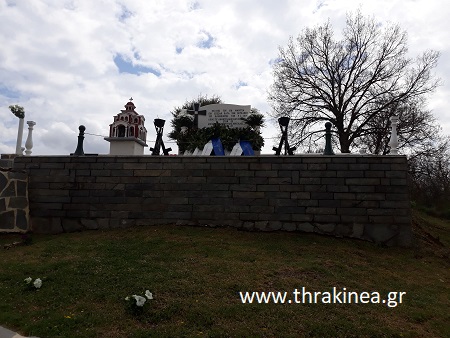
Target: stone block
x,y
350,219
370,196
268,187
77,213
378,166
284,202
327,218
343,229
301,195
274,225
289,210
306,227
350,174
343,159
307,203
321,211
71,225
317,162
48,225
248,194
302,217
253,180
268,173
248,225
261,209
375,173
324,227
22,220
331,203
281,217
315,188
218,179
280,181
358,230
289,226
405,204
90,224
355,211
7,220
337,166
248,216
260,166
322,195
333,181
131,166
9,190
382,233
3,201
396,174
242,187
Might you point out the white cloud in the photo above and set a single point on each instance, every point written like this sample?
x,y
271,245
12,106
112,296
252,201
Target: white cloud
x,y
57,58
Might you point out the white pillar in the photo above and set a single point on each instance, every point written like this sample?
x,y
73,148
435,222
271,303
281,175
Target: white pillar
x,y
393,142
19,138
29,142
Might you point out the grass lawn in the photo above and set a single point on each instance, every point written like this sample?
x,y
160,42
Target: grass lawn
x,y
195,275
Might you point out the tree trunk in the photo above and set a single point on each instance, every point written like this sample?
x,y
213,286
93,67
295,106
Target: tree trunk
x,y
344,143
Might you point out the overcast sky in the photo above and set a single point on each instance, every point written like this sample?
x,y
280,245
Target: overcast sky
x,y
72,62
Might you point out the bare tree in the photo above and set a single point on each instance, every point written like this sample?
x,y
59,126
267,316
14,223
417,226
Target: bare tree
x,y
416,128
353,82
429,173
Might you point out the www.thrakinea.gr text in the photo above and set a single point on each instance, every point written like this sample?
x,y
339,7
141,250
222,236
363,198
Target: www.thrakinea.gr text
x,y
332,296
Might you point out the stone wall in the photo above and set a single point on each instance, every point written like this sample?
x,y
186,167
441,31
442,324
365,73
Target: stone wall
x,y
13,201
356,196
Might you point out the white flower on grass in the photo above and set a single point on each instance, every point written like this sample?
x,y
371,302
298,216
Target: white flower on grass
x,y
148,294
37,283
140,301
127,298
28,280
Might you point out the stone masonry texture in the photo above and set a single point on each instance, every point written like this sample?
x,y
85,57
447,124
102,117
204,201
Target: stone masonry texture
x,y
14,211
355,196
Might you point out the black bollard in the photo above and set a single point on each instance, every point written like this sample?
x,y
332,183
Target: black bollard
x,y
328,149
79,151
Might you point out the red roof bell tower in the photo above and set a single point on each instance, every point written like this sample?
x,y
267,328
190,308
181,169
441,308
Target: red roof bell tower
x,y
127,134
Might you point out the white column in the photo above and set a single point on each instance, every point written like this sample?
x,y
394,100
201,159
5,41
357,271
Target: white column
x,y
393,142
29,142
19,138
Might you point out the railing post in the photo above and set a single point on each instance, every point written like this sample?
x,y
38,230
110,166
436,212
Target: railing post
x,y
393,142
29,142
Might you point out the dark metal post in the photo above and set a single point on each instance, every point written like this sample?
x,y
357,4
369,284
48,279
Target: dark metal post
x,y
159,126
79,151
284,122
328,149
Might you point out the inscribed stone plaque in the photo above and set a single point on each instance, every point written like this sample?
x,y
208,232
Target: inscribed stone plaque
x,y
227,114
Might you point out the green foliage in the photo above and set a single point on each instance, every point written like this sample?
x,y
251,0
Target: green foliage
x,y
197,138
255,119
18,111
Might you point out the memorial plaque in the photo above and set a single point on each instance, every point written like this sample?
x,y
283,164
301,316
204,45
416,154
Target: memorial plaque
x,y
226,114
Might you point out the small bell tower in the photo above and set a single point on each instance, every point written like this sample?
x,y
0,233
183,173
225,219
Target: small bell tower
x,y
127,134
